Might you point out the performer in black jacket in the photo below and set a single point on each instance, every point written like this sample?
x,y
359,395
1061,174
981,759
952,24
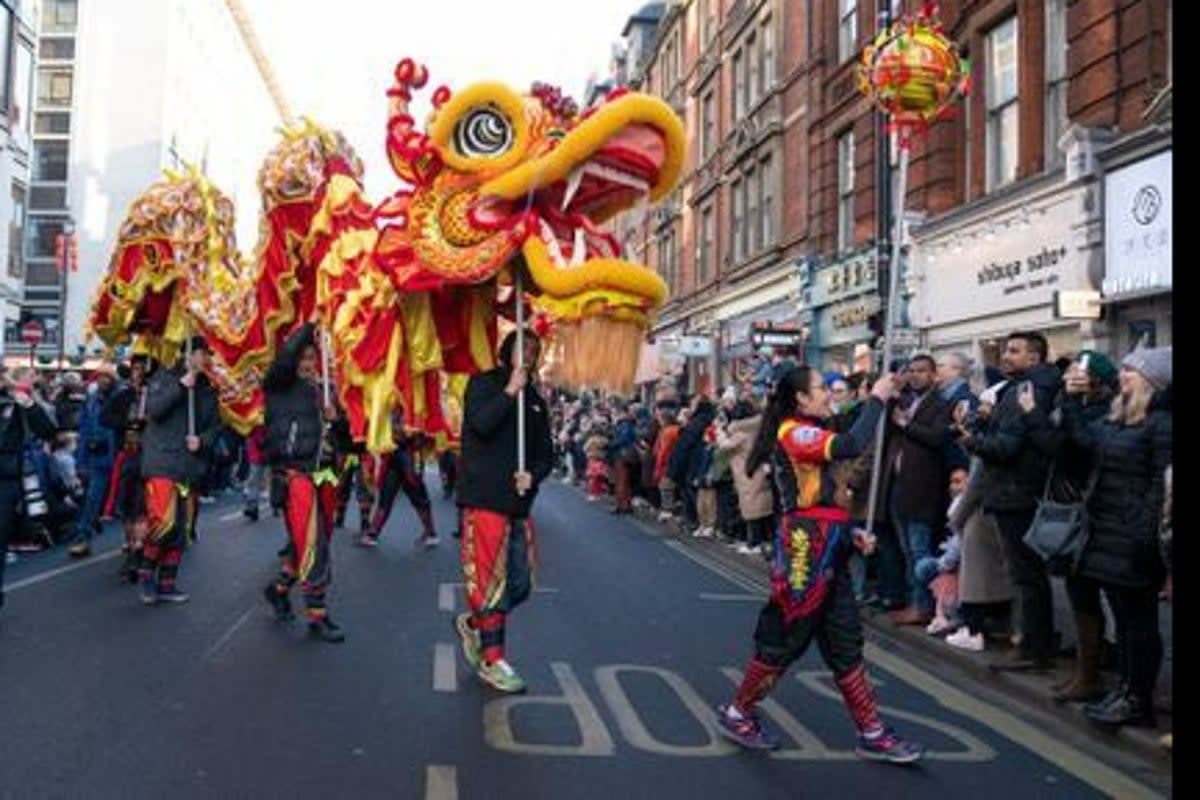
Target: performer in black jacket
x,y
174,462
495,498
299,445
400,470
125,413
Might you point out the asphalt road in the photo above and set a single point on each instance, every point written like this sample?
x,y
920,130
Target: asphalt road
x,y
627,645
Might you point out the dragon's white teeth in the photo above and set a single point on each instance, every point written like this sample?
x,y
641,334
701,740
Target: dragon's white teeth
x,y
573,182
556,252
578,249
617,176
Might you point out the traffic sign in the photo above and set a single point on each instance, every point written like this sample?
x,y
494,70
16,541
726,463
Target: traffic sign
x,y
33,332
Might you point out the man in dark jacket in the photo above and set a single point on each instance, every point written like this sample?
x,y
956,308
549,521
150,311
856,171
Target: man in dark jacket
x,y
183,423
914,470
687,458
1015,474
495,497
21,418
299,447
94,459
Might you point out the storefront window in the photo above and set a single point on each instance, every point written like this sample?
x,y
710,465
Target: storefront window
x,y
845,146
1056,79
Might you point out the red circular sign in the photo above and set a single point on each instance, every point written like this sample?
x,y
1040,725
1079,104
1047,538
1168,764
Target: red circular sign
x,y
33,332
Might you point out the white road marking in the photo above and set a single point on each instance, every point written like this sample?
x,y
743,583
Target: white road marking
x,y
447,594
731,598
41,577
212,651
445,669
441,782
636,732
594,738
230,517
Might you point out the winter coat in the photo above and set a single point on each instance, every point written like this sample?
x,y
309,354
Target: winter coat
x,y
1015,469
755,500
1072,468
164,445
67,409
918,490
15,423
97,443
489,446
1125,508
663,447
295,425
983,575
596,447
684,464
623,445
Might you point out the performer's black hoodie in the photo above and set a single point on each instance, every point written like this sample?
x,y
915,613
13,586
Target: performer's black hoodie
x,y
489,444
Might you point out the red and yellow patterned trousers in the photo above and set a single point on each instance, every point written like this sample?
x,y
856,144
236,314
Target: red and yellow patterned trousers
x,y
171,510
499,561
308,515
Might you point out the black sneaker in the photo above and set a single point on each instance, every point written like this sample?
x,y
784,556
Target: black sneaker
x,y
250,513
280,605
326,630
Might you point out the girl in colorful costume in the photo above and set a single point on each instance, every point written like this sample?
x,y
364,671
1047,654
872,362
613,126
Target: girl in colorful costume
x,y
811,591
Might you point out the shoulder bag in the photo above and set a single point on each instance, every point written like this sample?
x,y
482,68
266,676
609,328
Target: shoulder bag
x,y
1060,531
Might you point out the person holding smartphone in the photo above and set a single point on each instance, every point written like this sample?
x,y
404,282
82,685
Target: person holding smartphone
x,y
21,416
1014,474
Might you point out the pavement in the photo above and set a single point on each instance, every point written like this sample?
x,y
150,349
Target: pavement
x,y
631,639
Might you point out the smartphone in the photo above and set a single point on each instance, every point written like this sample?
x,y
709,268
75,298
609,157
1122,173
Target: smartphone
x,y
1083,361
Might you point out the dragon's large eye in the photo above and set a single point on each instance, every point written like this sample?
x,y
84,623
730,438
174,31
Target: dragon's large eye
x,y
483,132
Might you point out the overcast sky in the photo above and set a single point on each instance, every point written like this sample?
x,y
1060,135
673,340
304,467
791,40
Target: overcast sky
x,y
335,59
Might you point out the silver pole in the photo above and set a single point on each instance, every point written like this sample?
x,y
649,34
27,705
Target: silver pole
x,y
889,329
326,386
191,392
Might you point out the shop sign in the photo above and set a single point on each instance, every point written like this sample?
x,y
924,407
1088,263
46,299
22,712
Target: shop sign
x,y
999,266
1082,304
848,278
853,313
1137,223
695,346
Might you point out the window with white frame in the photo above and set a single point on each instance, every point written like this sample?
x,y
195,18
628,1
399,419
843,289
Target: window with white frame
x,y
845,179
753,222
1002,134
708,231
766,71
737,193
739,86
847,29
708,124
766,182
1056,79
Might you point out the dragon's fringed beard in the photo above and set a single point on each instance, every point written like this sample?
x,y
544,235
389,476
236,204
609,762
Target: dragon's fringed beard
x,y
597,352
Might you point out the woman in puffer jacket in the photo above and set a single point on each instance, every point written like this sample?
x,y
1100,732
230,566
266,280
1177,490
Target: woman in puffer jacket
x,y
755,500
1131,448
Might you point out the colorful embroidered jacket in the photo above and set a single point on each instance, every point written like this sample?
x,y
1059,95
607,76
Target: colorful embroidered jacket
x,y
814,538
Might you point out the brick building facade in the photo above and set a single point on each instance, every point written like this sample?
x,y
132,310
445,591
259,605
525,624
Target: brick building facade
x,y
775,217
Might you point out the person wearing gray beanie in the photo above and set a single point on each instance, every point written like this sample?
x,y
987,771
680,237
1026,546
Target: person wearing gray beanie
x,y
1153,364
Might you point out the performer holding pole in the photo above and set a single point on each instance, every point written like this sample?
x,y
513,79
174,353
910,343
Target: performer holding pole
x,y
182,425
298,444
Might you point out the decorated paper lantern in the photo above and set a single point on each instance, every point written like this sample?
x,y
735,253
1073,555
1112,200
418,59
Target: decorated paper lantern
x,y
914,73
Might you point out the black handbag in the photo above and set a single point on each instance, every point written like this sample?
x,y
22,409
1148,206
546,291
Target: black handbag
x,y
1060,531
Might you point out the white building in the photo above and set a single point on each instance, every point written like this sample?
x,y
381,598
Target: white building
x,y
125,89
17,26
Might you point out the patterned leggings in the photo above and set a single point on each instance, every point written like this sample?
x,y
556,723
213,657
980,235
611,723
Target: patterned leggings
x,y
308,515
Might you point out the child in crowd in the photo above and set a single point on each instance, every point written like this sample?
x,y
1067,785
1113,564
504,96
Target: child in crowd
x,y
597,468
706,489
668,436
940,573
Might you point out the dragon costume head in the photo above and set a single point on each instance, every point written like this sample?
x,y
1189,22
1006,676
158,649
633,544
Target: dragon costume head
x,y
505,180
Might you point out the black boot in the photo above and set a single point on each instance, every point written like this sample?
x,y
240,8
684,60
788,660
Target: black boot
x,y
326,630
251,512
1128,709
280,605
